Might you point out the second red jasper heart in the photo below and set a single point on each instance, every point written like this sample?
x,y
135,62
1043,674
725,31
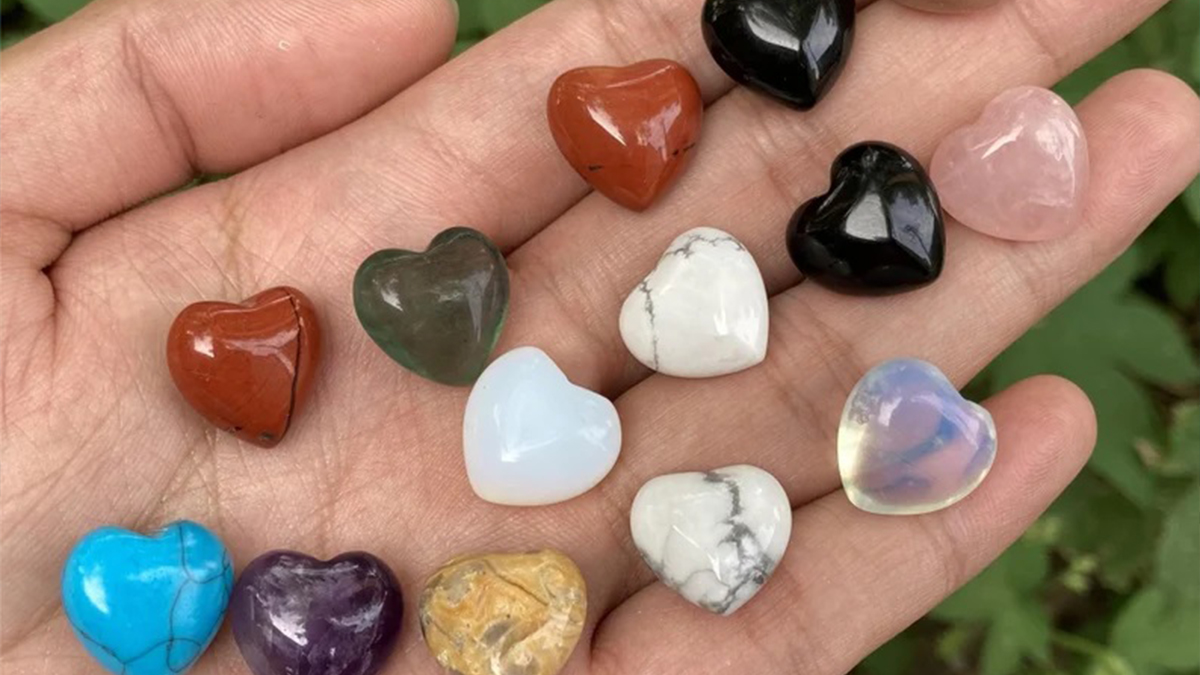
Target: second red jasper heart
x,y
628,131
247,368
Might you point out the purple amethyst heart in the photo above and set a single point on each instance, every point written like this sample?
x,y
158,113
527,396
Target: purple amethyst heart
x,y
295,615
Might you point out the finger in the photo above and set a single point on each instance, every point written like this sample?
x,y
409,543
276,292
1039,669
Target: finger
x,y
757,161
850,580
1142,129
130,98
469,145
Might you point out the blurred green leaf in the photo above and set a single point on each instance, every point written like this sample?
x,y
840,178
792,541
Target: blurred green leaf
x,y
497,14
1102,338
1001,597
54,10
1075,87
1191,199
1178,568
954,643
470,18
1154,631
1096,520
1018,571
1174,243
1019,632
19,25
463,45
895,657
8,5
1183,456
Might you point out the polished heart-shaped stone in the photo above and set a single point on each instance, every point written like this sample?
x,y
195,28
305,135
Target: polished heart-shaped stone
x,y
147,605
247,368
702,312
877,230
714,537
295,615
437,313
909,443
791,50
1020,172
628,131
504,613
531,437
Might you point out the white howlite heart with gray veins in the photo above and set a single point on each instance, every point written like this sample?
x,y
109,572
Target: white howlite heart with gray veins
x,y
702,312
714,537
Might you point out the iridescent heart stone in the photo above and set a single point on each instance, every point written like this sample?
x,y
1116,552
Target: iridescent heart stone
x,y
909,443
1020,172
295,615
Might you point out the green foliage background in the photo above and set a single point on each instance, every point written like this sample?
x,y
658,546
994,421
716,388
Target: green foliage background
x,y
1108,582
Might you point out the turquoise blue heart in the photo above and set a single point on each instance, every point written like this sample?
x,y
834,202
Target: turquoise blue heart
x,y
147,605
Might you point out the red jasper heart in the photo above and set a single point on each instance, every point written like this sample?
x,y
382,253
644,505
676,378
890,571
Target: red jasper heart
x,y
247,367
628,131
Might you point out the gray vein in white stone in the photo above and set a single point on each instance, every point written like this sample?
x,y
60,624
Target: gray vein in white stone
x,y
648,307
686,249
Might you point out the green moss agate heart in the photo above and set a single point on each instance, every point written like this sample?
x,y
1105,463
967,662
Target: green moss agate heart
x,y
437,313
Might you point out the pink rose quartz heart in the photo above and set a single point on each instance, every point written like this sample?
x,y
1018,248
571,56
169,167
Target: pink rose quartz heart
x,y
1020,172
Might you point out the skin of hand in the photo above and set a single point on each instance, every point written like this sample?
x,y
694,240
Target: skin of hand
x,y
346,134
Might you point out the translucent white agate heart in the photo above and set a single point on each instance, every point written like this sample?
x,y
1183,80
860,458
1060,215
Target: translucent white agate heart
x,y
909,443
531,437
702,311
714,537
1020,172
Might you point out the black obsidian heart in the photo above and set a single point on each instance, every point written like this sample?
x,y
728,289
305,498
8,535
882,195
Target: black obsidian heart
x,y
295,615
791,50
879,228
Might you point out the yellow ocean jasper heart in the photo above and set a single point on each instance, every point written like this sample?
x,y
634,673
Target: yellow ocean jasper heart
x,y
504,613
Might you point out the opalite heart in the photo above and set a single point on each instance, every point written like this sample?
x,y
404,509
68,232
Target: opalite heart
x,y
295,615
702,311
147,605
504,613
437,313
628,131
1020,172
877,230
791,50
531,437
247,368
909,443
714,537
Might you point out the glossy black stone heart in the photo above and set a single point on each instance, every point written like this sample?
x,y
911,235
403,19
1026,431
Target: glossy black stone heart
x,y
791,50
879,228
295,615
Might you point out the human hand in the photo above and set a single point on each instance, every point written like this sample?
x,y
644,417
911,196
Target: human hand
x,y
131,98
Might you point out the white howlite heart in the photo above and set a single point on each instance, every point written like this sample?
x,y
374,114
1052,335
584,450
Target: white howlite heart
x,y
714,537
702,312
530,437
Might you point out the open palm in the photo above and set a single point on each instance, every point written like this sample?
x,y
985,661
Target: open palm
x,y
131,98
